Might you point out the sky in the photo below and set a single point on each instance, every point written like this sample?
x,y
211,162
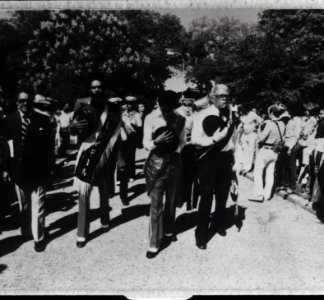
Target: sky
x,y
187,15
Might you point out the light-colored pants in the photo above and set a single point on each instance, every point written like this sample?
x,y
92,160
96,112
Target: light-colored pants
x,y
84,190
32,208
245,151
264,162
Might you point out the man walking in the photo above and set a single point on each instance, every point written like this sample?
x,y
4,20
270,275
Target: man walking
x,y
97,122
29,161
164,137
214,167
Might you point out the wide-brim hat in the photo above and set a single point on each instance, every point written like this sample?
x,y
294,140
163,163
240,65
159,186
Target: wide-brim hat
x,y
172,145
43,101
116,100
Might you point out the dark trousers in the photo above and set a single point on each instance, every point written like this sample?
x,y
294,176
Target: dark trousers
x,y
215,180
295,155
125,161
65,140
189,191
162,219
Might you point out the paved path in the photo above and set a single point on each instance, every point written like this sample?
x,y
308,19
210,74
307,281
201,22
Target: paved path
x,y
277,248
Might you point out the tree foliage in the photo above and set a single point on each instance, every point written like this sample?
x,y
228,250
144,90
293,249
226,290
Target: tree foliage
x,y
62,50
280,58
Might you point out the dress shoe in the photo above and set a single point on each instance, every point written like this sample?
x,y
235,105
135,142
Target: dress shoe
x,y
39,246
256,199
202,246
150,254
172,238
105,227
81,244
125,201
221,231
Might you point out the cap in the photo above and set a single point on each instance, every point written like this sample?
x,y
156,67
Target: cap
x,y
116,100
23,96
130,99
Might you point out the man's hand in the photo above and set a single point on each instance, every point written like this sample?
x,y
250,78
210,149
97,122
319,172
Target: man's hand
x,y
5,176
220,134
164,137
78,124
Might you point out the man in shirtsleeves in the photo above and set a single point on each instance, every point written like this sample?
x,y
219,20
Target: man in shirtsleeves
x,y
214,165
164,137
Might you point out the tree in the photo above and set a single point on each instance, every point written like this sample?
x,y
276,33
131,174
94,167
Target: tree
x,y
64,49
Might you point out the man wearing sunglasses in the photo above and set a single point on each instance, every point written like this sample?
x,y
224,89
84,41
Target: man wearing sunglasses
x,y
212,133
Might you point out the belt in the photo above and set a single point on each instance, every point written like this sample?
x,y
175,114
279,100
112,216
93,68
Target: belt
x,y
268,147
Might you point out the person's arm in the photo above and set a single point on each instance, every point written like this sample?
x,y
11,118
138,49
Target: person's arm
x,y
182,137
198,136
263,134
138,120
5,149
148,142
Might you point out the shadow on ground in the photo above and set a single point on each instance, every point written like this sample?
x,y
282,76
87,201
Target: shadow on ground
x,y
2,268
136,190
60,201
11,244
128,214
235,215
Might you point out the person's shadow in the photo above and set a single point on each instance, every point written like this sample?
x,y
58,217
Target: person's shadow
x,y
235,215
128,214
136,190
11,244
183,223
60,201
2,268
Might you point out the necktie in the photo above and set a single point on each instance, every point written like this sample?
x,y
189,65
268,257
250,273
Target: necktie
x,y
24,127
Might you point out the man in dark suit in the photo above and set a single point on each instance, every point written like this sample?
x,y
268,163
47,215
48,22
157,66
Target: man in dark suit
x,y
28,163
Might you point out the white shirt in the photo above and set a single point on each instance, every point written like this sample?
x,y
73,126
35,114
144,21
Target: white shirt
x,y
65,119
152,122
198,135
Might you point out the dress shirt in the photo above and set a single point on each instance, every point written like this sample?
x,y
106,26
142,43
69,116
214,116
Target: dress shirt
x,y
198,135
152,122
132,120
189,119
270,134
293,131
65,119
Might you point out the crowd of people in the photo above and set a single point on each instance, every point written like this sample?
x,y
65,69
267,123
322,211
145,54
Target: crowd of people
x,y
197,148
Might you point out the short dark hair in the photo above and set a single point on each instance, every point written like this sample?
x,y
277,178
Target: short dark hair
x,y
168,98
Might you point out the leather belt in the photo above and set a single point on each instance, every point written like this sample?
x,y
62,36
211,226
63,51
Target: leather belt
x,y
268,147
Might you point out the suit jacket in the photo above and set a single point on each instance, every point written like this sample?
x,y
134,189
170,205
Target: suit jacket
x,y
33,161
